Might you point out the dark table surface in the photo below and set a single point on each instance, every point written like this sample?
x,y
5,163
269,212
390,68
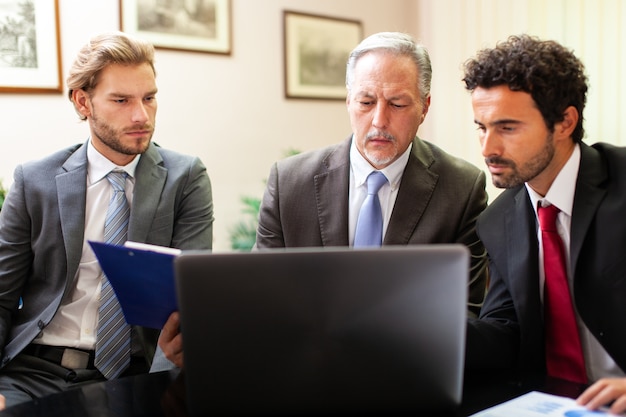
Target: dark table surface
x,y
163,394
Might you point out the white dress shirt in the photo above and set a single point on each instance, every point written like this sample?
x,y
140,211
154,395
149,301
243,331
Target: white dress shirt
x,y
360,168
74,324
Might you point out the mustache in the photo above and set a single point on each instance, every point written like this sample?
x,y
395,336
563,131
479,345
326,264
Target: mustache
x,y
379,134
496,160
148,126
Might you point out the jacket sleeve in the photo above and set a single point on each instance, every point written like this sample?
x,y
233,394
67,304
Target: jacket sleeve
x,y
476,203
493,339
15,252
193,223
269,231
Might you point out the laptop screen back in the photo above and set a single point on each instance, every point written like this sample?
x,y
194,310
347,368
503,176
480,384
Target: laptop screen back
x,y
324,330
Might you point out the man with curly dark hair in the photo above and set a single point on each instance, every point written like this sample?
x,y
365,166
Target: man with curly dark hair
x,y
528,97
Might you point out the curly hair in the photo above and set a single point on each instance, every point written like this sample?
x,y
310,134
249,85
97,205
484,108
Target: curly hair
x,y
101,51
553,76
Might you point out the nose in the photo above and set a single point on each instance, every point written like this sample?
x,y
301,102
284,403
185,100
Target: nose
x,y
380,119
489,143
140,113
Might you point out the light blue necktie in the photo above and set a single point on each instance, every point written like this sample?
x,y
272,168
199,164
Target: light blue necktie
x,y
113,334
369,225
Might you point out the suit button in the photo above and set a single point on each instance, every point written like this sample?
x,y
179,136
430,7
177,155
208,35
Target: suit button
x,y
41,324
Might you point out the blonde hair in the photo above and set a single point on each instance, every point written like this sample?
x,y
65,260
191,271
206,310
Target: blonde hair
x,y
101,51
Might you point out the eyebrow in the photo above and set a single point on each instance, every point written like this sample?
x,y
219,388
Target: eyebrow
x,y
500,122
116,94
400,96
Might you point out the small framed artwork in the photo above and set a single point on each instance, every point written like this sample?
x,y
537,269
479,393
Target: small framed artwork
x,y
316,50
199,26
30,51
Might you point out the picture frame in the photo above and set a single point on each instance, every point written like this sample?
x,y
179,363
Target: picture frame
x,y
206,28
316,50
30,48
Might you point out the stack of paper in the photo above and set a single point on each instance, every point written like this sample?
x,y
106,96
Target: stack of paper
x,y
539,404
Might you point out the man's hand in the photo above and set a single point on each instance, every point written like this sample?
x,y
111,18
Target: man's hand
x,y
171,340
604,392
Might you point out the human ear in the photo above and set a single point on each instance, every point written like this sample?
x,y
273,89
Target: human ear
x,y
425,109
570,119
81,102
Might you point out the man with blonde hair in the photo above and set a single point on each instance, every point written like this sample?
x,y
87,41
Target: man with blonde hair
x,y
51,286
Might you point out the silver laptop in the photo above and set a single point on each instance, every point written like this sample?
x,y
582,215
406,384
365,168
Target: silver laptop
x,y
324,331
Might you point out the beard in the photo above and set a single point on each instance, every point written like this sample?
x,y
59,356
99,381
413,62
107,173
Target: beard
x,y
380,159
526,172
111,136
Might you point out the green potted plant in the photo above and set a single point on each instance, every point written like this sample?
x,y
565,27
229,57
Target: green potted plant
x,y
243,234
3,193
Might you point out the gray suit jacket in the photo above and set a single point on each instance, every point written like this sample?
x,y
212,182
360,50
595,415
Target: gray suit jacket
x,y
509,334
42,226
440,197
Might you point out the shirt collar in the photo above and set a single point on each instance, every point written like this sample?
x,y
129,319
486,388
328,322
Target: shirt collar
x,y
98,166
561,192
361,167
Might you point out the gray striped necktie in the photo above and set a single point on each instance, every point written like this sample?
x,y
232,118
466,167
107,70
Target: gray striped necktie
x,y
113,333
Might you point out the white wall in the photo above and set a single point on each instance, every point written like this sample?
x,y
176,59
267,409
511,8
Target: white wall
x,y
231,110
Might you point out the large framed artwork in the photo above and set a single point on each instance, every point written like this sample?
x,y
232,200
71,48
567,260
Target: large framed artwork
x,y
192,25
316,49
30,51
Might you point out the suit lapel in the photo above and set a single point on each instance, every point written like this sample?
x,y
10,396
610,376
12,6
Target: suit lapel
x,y
587,198
416,188
71,195
332,185
522,272
150,178
522,253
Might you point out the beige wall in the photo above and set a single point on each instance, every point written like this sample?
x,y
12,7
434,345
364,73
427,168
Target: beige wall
x,y
230,110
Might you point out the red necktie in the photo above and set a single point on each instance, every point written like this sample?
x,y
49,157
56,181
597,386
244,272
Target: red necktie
x,y
564,356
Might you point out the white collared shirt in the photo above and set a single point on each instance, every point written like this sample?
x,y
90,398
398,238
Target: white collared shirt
x,y
360,168
74,324
598,362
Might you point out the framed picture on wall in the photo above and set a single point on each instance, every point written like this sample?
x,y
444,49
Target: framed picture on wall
x,y
316,49
191,25
30,52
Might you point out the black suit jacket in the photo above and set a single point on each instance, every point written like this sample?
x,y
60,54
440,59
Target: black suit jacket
x,y
440,197
509,333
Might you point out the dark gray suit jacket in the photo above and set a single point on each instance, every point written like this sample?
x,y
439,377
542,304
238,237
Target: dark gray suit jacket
x,y
509,334
440,197
42,226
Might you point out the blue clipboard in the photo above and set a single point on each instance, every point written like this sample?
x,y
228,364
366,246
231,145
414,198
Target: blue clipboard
x,y
143,281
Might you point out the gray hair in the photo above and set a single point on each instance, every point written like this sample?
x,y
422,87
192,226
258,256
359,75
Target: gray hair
x,y
399,44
